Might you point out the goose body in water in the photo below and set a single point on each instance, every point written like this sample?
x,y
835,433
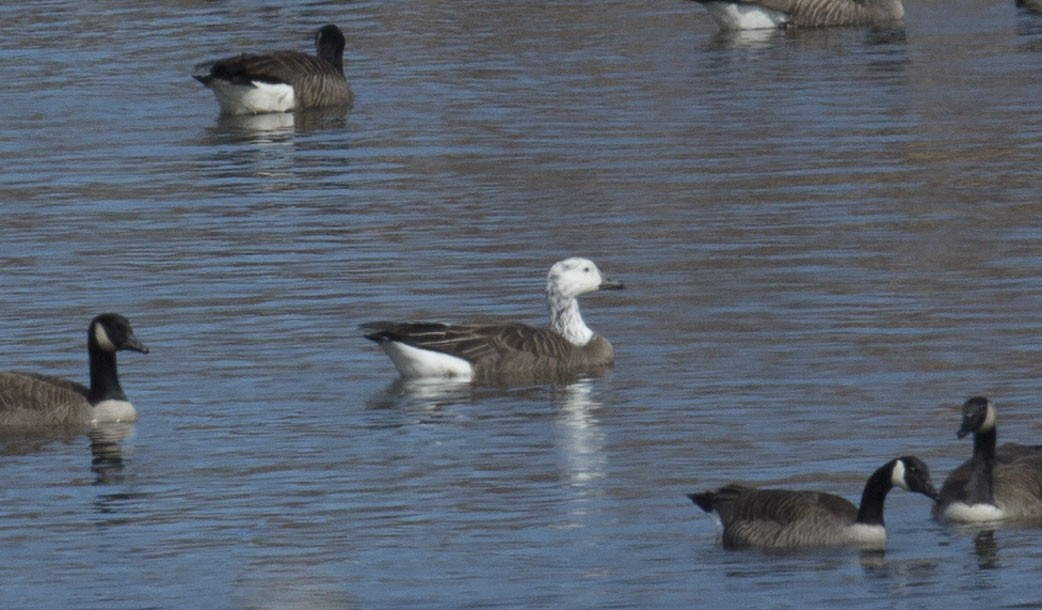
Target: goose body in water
x,y
996,483
749,517
760,14
35,401
428,349
281,81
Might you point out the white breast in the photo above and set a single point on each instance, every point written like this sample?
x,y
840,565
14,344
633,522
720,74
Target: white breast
x,y
108,411
972,513
868,536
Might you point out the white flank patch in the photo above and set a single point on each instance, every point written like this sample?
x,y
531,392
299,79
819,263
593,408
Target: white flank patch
x,y
731,16
102,338
415,362
260,98
972,513
108,411
868,535
718,522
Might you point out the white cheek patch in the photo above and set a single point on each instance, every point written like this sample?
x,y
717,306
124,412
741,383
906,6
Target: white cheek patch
x,y
989,419
898,475
102,338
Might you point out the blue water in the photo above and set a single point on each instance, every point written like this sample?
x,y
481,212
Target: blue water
x,y
829,240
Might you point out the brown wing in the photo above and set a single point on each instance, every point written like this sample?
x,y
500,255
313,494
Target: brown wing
x,y
33,400
818,13
1018,486
475,343
784,506
314,80
777,518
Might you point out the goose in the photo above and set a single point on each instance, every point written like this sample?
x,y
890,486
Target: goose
x,y
281,81
783,519
1030,6
483,351
994,484
32,400
761,14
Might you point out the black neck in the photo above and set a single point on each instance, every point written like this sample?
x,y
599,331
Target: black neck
x,y
104,379
979,487
329,52
872,499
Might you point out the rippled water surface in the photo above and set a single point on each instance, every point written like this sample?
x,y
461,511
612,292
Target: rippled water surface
x,y
829,239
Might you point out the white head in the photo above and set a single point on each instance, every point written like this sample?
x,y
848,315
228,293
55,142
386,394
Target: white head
x,y
574,277
566,282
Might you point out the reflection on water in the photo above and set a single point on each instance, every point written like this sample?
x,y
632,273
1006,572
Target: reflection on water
x,y
580,439
285,122
987,549
106,448
746,39
424,395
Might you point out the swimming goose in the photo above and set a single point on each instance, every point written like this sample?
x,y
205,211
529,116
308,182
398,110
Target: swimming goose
x,y
760,14
31,400
783,519
994,484
281,81
428,349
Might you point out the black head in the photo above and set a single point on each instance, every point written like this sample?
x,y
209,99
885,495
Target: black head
x,y
978,415
911,473
329,45
111,332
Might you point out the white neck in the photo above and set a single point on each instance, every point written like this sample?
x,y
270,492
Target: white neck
x,y
566,320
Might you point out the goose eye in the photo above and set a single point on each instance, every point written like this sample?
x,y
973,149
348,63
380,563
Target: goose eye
x,y
586,269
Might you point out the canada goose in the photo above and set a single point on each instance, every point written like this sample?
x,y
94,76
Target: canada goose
x,y
1030,6
427,349
281,81
994,484
31,400
783,519
761,14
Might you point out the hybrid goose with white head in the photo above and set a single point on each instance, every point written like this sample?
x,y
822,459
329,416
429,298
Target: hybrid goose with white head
x,y
281,81
995,484
35,401
748,517
483,351
770,14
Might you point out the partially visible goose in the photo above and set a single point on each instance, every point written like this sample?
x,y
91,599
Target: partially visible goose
x,y
281,81
760,14
784,519
1031,6
427,349
994,484
31,400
